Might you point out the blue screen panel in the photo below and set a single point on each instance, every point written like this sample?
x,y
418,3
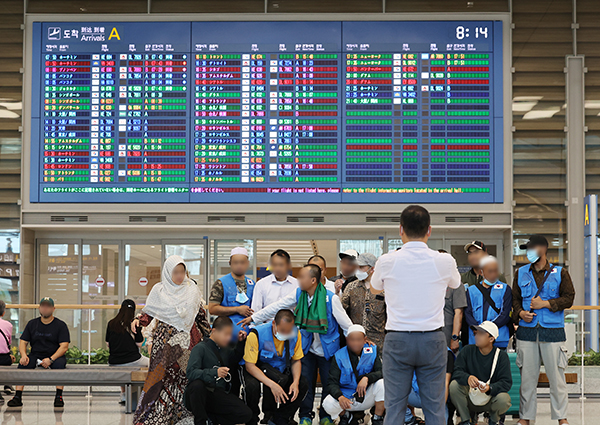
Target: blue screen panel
x,y
275,112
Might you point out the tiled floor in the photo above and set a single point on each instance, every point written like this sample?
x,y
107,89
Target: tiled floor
x,y
104,410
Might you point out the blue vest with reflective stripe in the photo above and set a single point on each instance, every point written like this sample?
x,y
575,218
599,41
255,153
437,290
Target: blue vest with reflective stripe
x,y
331,340
365,365
230,292
544,316
476,297
267,353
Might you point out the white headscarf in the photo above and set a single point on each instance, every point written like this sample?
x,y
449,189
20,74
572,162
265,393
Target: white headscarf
x,y
176,305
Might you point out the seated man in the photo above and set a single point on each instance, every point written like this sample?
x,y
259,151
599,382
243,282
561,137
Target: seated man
x,y
208,393
355,381
485,367
273,356
49,338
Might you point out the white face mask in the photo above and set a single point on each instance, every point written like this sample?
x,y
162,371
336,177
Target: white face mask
x,y
361,275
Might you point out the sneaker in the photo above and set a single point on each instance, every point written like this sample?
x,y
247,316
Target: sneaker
x,y
326,421
15,402
378,421
415,421
345,420
358,418
58,401
8,390
305,421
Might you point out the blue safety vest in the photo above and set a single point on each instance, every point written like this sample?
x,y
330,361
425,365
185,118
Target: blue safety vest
x,y
545,317
267,353
230,292
497,294
365,365
331,340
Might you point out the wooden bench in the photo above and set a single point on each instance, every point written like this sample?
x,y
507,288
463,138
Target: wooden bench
x,y
81,375
543,382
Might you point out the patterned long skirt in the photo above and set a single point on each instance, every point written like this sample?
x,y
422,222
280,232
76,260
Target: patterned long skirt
x,y
161,401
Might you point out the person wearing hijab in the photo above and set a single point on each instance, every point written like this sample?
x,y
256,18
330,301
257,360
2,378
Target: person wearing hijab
x,y
177,306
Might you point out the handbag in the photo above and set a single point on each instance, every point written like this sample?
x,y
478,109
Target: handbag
x,y
477,397
281,378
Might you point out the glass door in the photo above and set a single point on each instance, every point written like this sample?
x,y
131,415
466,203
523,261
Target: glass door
x,y
100,273
143,263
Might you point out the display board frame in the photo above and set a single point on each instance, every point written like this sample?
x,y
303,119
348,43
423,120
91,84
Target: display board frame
x,y
272,207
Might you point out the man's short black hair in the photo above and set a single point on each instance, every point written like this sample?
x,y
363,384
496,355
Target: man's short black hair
x,y
284,314
415,221
320,257
315,271
281,253
222,322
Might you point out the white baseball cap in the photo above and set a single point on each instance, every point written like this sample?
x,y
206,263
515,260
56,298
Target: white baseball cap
x,y
488,259
349,253
487,326
357,328
239,250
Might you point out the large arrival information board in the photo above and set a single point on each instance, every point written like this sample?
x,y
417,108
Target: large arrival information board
x,y
322,112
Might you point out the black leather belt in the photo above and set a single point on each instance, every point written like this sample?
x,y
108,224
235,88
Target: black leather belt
x,y
415,332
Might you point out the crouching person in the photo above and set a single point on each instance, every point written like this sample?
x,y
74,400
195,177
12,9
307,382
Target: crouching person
x,y
482,377
355,380
273,357
208,393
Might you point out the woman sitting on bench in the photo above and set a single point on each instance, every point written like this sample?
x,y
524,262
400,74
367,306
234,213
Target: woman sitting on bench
x,y
124,344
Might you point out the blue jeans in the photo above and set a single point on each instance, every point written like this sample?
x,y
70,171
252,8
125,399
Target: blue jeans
x,y
420,353
414,400
310,364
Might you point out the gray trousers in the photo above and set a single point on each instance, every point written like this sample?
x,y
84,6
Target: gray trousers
x,y
530,355
425,354
497,406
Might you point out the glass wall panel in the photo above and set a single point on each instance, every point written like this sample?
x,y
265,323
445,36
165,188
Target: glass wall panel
x,y
373,246
9,276
143,263
99,285
58,278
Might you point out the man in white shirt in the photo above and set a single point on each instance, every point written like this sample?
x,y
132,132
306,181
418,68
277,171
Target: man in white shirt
x,y
278,284
415,280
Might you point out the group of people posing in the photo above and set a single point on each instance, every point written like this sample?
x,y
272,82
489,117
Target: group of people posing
x,y
439,338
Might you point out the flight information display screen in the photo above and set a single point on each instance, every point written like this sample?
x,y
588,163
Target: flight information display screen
x,y
275,112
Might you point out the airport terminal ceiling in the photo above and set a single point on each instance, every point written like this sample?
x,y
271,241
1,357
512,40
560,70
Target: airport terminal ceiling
x,y
134,114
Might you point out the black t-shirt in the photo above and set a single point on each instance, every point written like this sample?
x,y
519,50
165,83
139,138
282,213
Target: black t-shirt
x,y
45,339
122,346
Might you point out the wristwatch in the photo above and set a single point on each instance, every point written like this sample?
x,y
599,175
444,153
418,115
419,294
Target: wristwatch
x,y
51,360
454,337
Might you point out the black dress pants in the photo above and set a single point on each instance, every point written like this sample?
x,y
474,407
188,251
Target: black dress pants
x,y
281,415
221,407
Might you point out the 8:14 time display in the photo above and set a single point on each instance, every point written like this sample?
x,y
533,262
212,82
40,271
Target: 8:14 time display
x,y
462,32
